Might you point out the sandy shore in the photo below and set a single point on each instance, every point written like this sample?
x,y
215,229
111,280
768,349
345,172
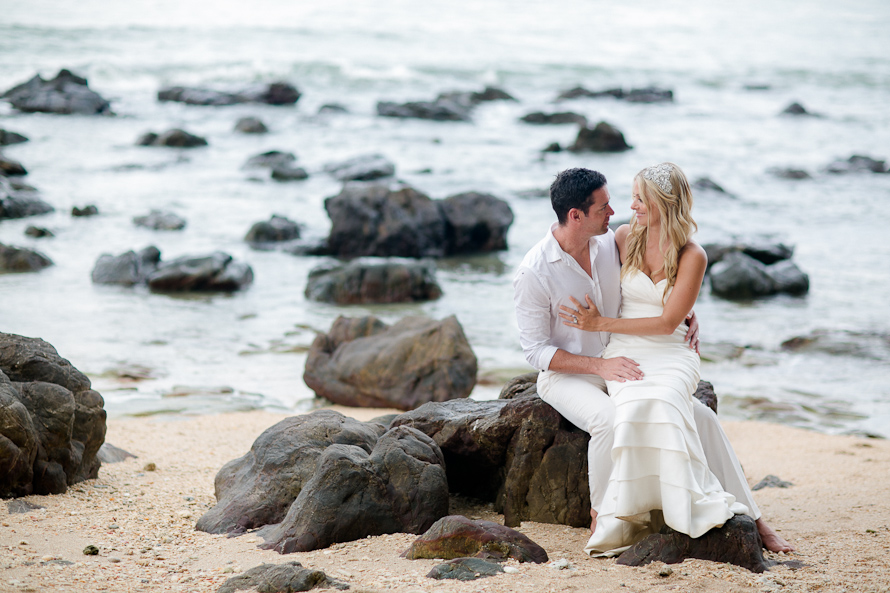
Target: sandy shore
x,y
837,514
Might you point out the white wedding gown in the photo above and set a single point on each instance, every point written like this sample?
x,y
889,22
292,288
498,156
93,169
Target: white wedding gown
x,y
659,472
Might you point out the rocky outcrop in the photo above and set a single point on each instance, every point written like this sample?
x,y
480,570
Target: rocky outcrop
x,y
159,220
362,168
455,536
275,93
602,138
277,229
17,204
856,164
251,125
562,117
19,259
127,269
738,276
52,423
7,138
737,542
363,282
648,94
67,93
174,138
217,272
364,362
287,577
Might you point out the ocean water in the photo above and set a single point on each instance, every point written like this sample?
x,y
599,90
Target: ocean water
x,y
733,70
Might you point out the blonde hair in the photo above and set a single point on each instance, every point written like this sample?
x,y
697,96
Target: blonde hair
x,y
675,213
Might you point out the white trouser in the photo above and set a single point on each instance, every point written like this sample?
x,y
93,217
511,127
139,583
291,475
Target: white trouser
x,y
583,401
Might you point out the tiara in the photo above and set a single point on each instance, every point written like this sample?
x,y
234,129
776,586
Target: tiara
x,y
661,175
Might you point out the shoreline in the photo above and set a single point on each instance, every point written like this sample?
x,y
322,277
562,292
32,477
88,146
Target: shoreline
x,y
837,514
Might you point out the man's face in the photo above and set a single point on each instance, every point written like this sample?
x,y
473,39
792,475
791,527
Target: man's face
x,y
596,222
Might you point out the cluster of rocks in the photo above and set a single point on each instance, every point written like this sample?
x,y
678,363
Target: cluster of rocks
x,y
648,94
52,423
67,93
274,93
216,272
745,271
451,106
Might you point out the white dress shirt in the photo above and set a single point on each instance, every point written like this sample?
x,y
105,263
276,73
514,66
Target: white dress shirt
x,y
546,278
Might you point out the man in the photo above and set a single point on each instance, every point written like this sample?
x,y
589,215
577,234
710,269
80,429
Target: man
x,y
579,257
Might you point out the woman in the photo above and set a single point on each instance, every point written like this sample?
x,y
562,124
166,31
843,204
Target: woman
x,y
660,473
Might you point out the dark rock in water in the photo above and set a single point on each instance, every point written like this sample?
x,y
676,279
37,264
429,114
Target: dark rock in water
x,y
66,93
868,345
757,86
707,184
51,422
602,138
649,94
274,230
739,276
276,93
795,109
15,205
251,125
562,117
552,147
38,232
7,138
582,93
399,487
108,453
857,163
470,99
455,536
384,220
788,278
475,223
289,173
789,173
127,269
216,272
88,210
273,93
160,221
332,108
363,362
10,168
362,168
19,259
442,110
771,481
765,253
174,138
362,282
259,488
737,542
284,578
465,569
270,159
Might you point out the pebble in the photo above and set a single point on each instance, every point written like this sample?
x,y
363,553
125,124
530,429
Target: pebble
x,y
665,571
511,569
150,466
113,559
91,550
560,564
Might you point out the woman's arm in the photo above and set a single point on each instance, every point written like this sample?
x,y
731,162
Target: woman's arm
x,y
690,273
621,241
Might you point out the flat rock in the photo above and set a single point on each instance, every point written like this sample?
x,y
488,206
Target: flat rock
x,y
217,272
465,569
160,220
856,164
270,159
127,269
38,232
174,138
366,282
280,578
275,93
455,536
789,173
362,168
19,259
601,138
289,172
440,110
67,93
471,99
562,117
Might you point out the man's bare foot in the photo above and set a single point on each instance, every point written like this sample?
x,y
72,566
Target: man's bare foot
x,y
593,522
772,541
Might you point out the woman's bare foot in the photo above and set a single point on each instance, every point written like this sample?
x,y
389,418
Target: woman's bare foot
x,y
772,541
593,522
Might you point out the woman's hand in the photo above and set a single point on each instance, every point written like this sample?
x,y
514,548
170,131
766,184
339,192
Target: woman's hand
x,y
587,318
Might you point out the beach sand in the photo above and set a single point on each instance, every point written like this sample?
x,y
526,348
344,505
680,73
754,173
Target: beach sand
x,y
837,514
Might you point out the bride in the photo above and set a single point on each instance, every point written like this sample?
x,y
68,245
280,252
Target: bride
x,y
660,473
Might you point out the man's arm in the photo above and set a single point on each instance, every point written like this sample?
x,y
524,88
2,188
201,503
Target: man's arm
x,y
619,369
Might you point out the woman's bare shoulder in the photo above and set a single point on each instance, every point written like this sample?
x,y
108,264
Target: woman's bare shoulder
x,y
621,234
693,253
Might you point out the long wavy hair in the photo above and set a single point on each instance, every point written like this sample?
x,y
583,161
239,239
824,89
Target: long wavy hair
x,y
677,225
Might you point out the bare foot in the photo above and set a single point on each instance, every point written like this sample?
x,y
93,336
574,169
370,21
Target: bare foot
x,y
772,541
593,522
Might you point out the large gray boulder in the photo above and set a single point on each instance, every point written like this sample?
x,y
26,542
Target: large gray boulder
x,y
603,137
52,423
364,282
217,272
174,138
67,93
20,259
475,223
275,93
363,362
739,276
127,269
277,229
857,163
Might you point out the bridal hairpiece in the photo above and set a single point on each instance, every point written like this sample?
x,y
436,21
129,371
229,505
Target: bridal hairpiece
x,y
661,175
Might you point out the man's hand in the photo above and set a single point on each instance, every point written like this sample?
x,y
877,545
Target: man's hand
x,y
619,369
692,332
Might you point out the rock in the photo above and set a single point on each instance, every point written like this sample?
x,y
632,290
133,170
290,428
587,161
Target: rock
x,y
552,147
127,269
270,159
174,138
649,94
581,93
465,569
795,109
15,205
19,259
259,488
160,221
108,453
7,138
384,220
66,93
362,168
475,223
289,173
399,488
789,173
737,542
91,550
332,108
740,276
470,99
704,392
455,536
251,125
10,168
788,278
38,232
857,163
51,422
771,481
765,253
275,93
214,272
373,282
441,110
602,138
363,362
88,210
707,184
867,345
562,117
284,578
20,507
275,230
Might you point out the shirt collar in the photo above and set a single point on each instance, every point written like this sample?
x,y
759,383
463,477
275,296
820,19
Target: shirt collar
x,y
553,252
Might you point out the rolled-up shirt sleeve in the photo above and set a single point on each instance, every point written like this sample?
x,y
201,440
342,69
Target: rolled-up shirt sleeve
x,y
532,304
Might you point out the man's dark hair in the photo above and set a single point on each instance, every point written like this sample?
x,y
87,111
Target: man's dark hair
x,y
573,188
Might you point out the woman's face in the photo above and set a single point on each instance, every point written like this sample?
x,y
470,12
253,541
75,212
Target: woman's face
x,y
643,216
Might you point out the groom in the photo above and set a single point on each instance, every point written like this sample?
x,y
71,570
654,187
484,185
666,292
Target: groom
x,y
579,257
